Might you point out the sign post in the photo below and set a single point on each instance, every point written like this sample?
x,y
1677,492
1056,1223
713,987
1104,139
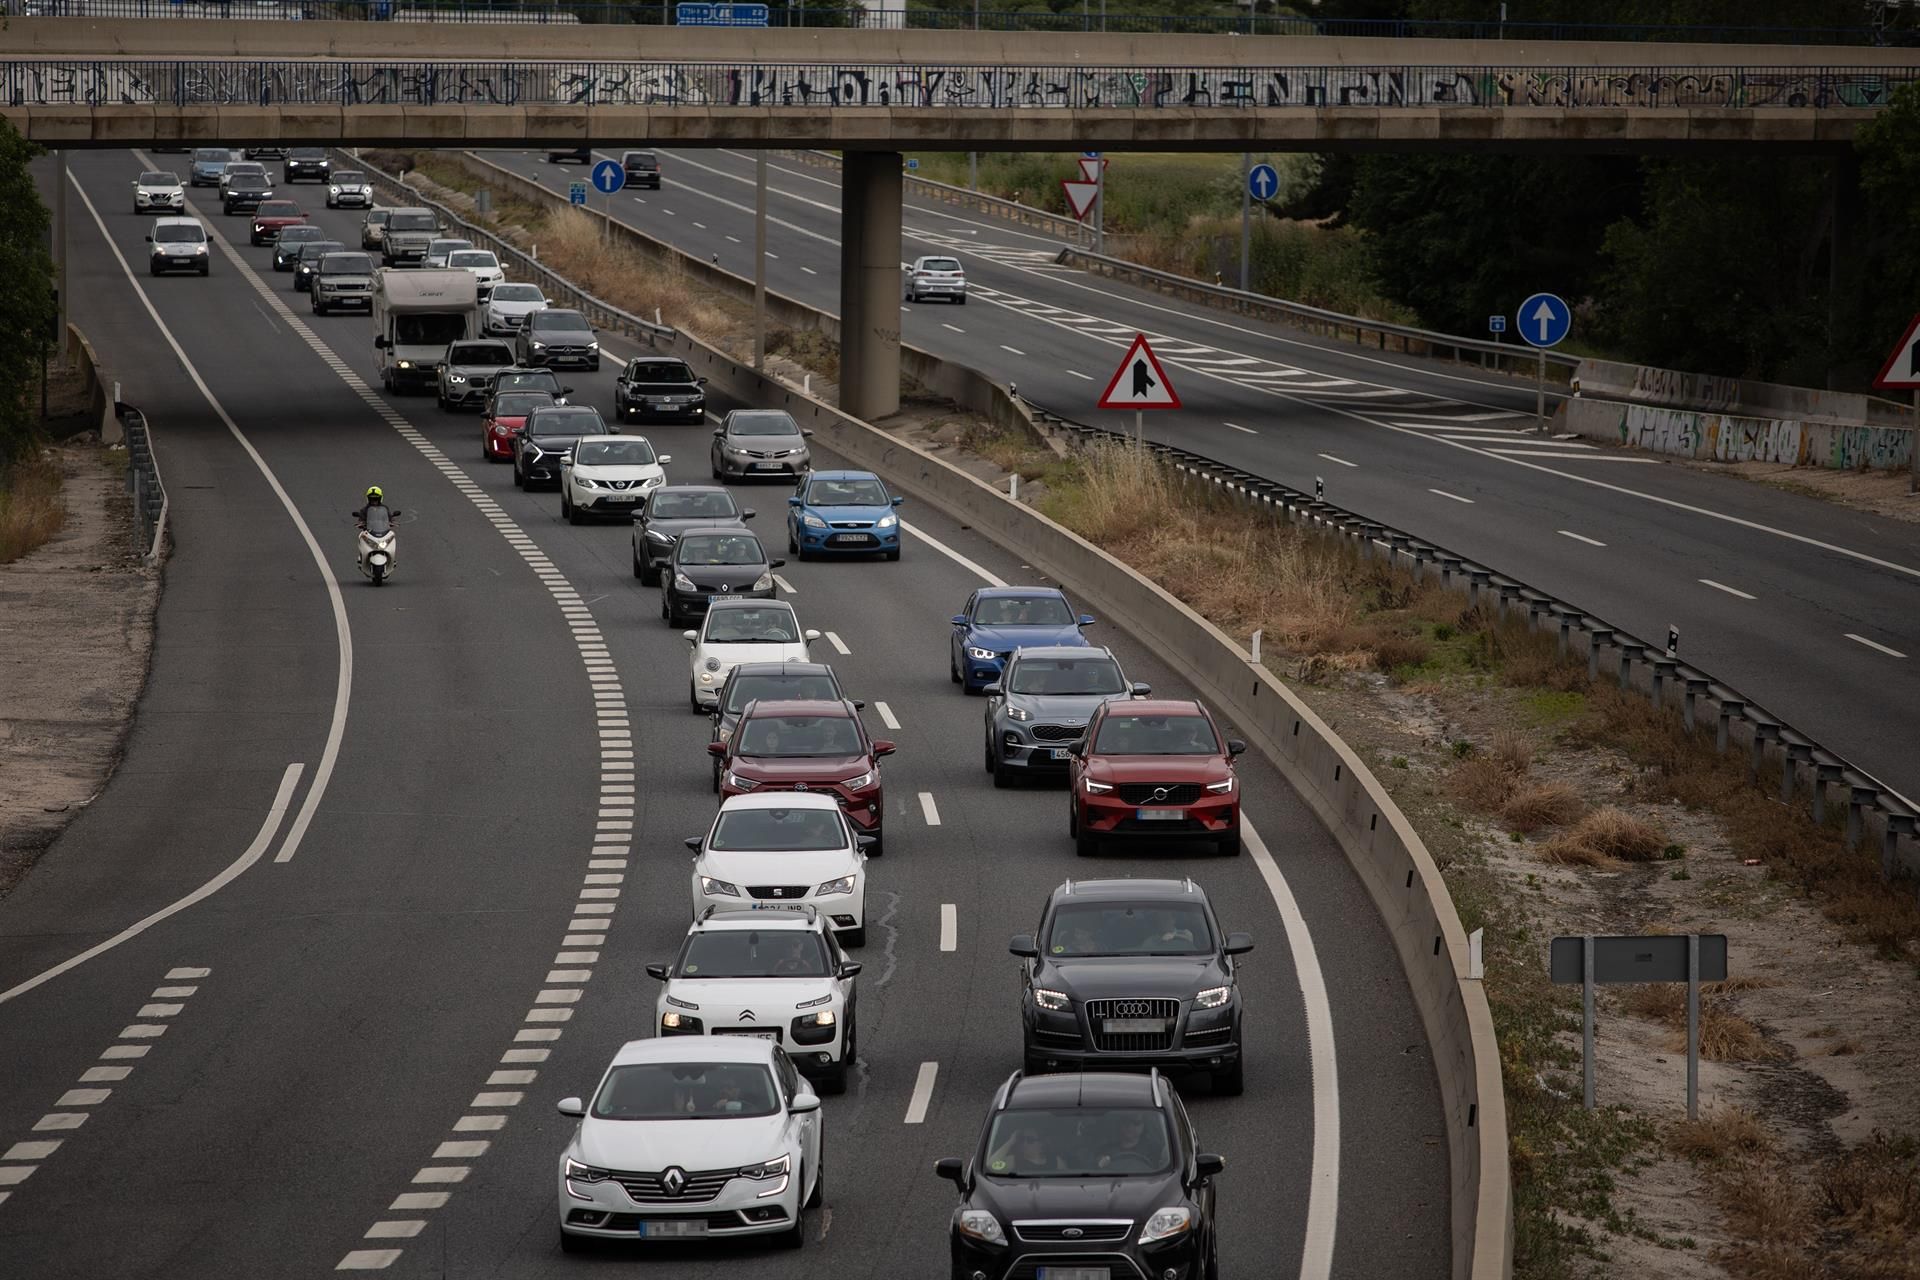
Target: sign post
x,y
1692,959
1545,321
1263,180
1901,372
1140,384
609,176
759,258
1094,169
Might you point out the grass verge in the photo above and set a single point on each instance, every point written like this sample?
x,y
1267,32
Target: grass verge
x,y
31,508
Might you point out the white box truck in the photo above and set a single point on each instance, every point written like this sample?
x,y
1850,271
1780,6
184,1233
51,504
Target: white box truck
x,y
416,314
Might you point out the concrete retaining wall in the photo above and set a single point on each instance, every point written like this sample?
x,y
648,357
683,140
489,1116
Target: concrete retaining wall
x,y
99,385
1674,389
1725,437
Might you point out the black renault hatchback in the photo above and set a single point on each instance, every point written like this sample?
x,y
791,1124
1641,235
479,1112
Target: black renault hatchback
x,y
1092,1176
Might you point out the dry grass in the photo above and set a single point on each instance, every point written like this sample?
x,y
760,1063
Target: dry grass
x,y
1855,1216
1721,1133
1482,783
1541,804
614,271
1605,838
31,509
1725,1036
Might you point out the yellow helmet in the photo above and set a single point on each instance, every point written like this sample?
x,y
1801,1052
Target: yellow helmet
x,y
374,494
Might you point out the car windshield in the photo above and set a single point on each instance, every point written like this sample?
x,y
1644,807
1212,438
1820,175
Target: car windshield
x,y
212,155
1137,735
158,180
473,258
448,246
713,504
721,548
250,182
239,168
346,264
651,371
940,264
567,422
559,322
1078,1142
298,235
178,235
412,222
751,953
280,209
641,158
1022,611
771,625
541,379
312,250
430,330
349,178
490,354
517,293
758,423
847,493
791,688
520,403
378,217
1065,677
624,452
686,1091
799,737
1129,929
778,831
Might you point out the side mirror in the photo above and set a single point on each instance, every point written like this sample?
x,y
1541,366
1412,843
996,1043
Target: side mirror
x,y
665,458
1238,944
859,704
694,842
959,619
379,342
1207,1165
746,513
864,843
776,564
953,1170
1086,620
718,432
804,1102
716,748
690,636
657,971
1139,689
571,1107
149,239
1023,945
566,391
881,747
700,382
850,968
898,501
993,690
794,501
807,431
811,635
1235,747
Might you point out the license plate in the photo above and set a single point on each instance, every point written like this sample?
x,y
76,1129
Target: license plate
x,y
757,1035
672,1228
849,537
1134,1026
1062,753
1160,815
1075,1273
624,497
768,466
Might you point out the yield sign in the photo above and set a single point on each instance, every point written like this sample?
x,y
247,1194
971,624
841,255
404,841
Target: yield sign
x,y
1091,167
1080,197
1140,382
1902,370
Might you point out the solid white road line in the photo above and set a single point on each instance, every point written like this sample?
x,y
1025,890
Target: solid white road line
x,y
928,809
1721,586
784,585
1456,497
271,824
956,328
1015,350
810,271
922,535
949,926
922,1093
1874,644
1084,377
1342,461
1580,537
839,645
1237,427
886,715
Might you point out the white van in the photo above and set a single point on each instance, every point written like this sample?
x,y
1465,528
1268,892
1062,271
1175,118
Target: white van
x,y
178,244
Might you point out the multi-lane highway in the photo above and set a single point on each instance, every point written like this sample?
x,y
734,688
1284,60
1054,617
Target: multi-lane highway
x,y
436,833
1803,606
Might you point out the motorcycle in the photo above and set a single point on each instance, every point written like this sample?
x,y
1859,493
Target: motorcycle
x,y
379,545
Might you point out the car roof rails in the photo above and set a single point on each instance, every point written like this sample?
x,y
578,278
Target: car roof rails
x,y
1159,1087
1005,1094
1068,886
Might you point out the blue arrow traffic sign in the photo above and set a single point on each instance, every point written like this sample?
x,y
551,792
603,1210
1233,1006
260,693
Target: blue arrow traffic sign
x,y
577,193
1091,155
1262,181
608,177
1544,320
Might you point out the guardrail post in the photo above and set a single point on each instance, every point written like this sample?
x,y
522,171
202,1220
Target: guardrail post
x,y
1763,732
1569,619
1729,708
1790,759
1696,685
1597,637
1857,798
1898,824
1825,773
1629,650
1662,668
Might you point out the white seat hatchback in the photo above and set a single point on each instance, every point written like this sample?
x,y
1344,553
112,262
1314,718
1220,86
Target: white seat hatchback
x,y
737,631
780,849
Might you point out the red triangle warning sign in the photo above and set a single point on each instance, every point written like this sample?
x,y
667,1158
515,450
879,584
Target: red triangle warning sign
x,y
1902,370
1140,382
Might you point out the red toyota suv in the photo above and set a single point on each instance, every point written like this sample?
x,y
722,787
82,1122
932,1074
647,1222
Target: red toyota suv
x,y
1154,767
807,746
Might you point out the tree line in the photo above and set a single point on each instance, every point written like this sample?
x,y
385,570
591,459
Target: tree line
x,y
26,295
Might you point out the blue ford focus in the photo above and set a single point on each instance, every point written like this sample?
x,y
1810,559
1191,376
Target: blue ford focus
x,y
998,620
843,513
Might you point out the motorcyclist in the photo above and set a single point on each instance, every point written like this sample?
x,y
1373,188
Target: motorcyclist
x,y
375,498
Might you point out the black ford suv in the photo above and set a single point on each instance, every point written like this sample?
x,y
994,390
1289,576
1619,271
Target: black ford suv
x,y
659,387
1129,974
306,162
1089,1175
550,434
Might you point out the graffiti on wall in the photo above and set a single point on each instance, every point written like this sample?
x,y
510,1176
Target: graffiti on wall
x,y
956,87
1726,438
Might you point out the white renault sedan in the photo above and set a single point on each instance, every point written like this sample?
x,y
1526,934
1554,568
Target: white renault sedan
x,y
781,848
737,631
776,974
609,476
689,1139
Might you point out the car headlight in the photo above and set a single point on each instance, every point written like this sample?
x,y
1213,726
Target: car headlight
x,y
712,664
843,885
1167,1223
813,521
1212,997
820,1018
1019,713
682,582
815,1003
718,888
671,1021
981,1225
593,346
678,1003
738,451
774,1168
1049,999
984,655
584,1173
200,248
764,582
665,539
538,345
585,482
1097,788
739,783
408,364
886,522
1220,788
862,780
333,191
651,481
456,377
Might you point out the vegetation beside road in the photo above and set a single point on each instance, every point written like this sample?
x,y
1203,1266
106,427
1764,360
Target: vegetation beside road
x,y
30,508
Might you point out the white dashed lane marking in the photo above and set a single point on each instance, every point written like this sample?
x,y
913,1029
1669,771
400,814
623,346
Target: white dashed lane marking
x,y
1580,537
1875,644
1456,497
928,809
1721,586
839,645
922,1093
886,715
1342,461
949,926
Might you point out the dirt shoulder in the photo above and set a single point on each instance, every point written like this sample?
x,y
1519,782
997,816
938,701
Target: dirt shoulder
x,y
1881,493
76,631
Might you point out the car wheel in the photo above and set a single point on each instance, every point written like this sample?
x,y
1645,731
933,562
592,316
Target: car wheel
x,y
716,777
716,469
986,749
953,669
574,1244
819,1193
878,849
1085,844
894,554
1213,1260
1002,775
962,299
320,309
693,698
1230,847
854,937
573,509
649,572
796,1235
793,547
1232,1082
440,398
204,267
519,476
835,1082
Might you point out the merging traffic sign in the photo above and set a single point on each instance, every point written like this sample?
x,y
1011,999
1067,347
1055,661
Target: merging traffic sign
x,y
1140,382
1902,369
608,177
1544,320
1262,181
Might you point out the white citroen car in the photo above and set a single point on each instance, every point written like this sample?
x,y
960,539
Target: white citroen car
x,y
737,631
508,307
158,191
609,476
482,265
777,974
691,1139
782,848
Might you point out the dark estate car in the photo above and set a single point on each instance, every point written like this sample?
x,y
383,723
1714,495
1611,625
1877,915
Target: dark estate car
x,y
1040,706
558,338
659,387
642,169
748,682
549,436
306,260
1130,974
801,745
306,162
727,563
1156,769
1095,1176
670,511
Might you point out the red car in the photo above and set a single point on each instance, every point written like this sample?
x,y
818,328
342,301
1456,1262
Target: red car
x,y
505,417
272,217
1154,767
807,746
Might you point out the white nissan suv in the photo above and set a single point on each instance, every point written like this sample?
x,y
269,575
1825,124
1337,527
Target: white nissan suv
x,y
777,974
782,848
687,1139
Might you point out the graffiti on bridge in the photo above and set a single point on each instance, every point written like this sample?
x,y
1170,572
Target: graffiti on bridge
x,y
939,87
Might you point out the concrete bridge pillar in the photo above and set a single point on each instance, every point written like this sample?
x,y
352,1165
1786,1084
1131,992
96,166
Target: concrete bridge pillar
x,y
870,284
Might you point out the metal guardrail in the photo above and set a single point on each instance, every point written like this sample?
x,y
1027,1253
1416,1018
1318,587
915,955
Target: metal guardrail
x,y
1027,215
949,87
518,263
148,491
1666,675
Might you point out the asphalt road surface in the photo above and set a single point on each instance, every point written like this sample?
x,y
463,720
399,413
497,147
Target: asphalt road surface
x,y
348,1052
